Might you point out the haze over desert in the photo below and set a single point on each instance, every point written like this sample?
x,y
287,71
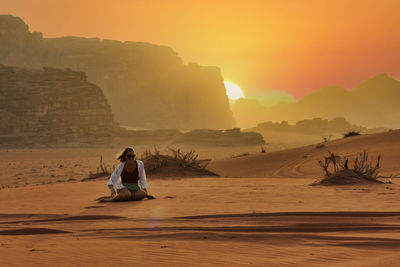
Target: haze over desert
x,y
186,133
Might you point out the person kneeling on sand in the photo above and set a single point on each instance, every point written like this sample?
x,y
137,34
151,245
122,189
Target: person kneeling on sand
x,y
126,176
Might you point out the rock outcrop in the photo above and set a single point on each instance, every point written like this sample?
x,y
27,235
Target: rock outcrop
x,y
231,137
202,137
147,86
316,126
52,106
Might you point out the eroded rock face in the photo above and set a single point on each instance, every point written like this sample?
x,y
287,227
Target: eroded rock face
x,y
52,106
147,86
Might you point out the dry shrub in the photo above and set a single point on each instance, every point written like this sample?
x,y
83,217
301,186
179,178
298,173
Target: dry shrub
x,y
188,162
326,138
338,169
189,159
102,171
241,155
351,133
154,160
179,164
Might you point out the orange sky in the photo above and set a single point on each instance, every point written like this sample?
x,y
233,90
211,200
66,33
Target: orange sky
x,y
296,46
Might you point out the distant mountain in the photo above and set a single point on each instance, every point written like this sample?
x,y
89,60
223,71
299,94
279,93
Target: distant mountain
x,y
252,110
269,97
282,135
146,85
373,103
316,126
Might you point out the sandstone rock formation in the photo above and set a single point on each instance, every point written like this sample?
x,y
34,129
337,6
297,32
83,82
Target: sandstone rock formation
x,y
52,106
316,126
231,137
282,135
147,86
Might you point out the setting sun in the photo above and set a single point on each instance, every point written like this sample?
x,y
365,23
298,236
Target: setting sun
x,y
233,91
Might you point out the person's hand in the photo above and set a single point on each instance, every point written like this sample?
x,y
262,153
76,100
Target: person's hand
x,y
147,194
112,190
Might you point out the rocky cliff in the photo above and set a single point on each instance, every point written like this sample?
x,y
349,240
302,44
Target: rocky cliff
x,y
147,86
52,106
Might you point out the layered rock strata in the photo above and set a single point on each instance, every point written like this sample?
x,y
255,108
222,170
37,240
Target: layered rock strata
x,y
147,86
52,106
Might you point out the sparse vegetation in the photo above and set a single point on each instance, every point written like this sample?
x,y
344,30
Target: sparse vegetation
x,y
156,161
179,164
189,159
345,170
241,155
320,145
102,171
326,139
351,133
187,162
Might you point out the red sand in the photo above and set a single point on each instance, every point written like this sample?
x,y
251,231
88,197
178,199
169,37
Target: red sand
x,y
275,220
303,161
202,221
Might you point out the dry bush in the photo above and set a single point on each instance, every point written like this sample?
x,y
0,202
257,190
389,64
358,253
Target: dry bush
x,y
147,153
155,165
102,171
189,159
326,139
361,165
185,160
241,155
351,133
155,160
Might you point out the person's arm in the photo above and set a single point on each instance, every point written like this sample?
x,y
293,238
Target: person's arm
x,y
142,180
114,178
142,176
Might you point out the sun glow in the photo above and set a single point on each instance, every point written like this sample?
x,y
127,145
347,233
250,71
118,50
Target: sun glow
x,y
233,91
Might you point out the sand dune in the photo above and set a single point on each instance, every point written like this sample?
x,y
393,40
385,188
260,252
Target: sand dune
x,y
33,166
303,161
277,219
229,222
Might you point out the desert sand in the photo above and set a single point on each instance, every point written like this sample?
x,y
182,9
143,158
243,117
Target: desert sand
x,y
302,162
262,211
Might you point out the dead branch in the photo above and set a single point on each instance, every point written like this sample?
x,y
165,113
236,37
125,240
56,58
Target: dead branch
x,y
361,164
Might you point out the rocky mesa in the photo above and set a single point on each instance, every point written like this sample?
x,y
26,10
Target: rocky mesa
x,y
148,86
52,106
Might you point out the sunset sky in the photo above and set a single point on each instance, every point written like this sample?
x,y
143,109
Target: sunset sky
x,y
295,46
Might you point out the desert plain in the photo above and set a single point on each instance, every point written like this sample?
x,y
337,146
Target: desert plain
x,y
260,211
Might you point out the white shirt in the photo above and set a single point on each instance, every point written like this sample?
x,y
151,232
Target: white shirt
x,y
115,178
